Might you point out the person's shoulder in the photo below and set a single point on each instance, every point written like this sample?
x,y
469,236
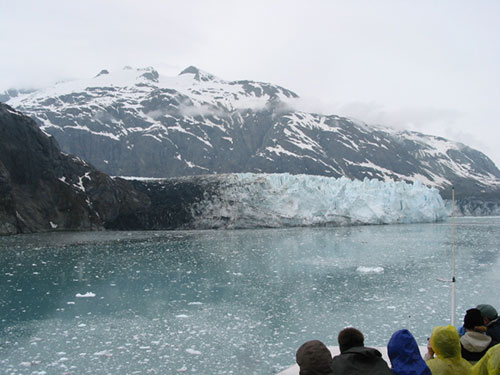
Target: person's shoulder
x,y
364,350
495,324
494,330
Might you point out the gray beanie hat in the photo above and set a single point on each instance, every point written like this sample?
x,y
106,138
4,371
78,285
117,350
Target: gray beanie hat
x,y
488,311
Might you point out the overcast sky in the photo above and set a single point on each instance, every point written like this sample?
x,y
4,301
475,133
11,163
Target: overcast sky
x,y
431,66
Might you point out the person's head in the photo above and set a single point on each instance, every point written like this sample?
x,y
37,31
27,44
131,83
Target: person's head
x,y
445,342
488,313
405,355
314,358
349,338
473,319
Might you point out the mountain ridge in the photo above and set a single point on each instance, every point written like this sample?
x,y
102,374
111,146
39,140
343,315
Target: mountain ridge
x,y
137,122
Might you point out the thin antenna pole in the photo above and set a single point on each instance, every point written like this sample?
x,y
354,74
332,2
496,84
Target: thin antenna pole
x,y
453,280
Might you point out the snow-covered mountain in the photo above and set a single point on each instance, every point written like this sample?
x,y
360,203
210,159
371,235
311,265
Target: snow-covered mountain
x,y
44,189
135,122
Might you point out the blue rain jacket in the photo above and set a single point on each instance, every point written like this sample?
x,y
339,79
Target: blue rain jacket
x,y
405,356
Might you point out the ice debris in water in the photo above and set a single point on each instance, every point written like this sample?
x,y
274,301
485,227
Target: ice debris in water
x,y
193,351
362,269
86,295
104,353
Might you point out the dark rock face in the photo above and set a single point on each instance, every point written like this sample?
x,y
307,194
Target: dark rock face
x,y
476,207
174,201
43,189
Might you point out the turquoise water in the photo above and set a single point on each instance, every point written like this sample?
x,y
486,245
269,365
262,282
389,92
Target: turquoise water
x,y
228,302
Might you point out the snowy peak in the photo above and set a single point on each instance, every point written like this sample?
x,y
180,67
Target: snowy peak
x,y
151,75
198,74
102,72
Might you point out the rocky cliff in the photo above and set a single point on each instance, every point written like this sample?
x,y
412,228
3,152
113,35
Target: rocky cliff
x,y
43,189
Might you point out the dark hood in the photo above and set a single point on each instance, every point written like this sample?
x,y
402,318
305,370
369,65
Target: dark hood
x,y
314,358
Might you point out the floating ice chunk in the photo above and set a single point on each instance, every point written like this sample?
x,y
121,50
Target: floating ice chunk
x,y
86,295
104,353
362,269
193,352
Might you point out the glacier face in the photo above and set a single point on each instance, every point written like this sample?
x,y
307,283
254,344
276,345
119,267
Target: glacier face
x,y
249,200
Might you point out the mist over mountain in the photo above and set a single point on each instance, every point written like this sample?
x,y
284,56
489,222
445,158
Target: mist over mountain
x,y
136,122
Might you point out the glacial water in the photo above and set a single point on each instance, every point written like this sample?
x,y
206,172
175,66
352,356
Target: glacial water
x,y
229,302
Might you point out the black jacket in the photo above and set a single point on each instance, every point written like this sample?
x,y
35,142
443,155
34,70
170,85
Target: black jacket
x,y
494,330
360,360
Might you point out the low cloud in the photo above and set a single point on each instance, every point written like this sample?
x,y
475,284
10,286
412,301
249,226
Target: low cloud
x,y
103,116
156,114
190,110
372,113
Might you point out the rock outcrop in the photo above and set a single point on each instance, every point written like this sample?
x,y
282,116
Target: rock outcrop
x,y
43,189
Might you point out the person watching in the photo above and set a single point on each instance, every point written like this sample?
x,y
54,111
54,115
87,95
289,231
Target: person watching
x,y
405,355
445,343
314,358
490,317
474,342
355,358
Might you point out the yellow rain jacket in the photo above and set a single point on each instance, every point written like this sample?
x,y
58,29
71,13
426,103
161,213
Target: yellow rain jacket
x,y
446,344
489,364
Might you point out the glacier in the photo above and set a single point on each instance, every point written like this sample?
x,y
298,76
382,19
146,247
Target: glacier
x,y
248,200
